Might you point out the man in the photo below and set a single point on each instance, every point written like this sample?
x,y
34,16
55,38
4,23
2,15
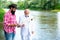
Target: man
x,y
10,22
25,25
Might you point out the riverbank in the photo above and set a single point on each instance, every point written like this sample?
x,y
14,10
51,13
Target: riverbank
x,y
56,10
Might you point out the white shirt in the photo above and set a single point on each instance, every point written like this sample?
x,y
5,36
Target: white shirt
x,y
27,21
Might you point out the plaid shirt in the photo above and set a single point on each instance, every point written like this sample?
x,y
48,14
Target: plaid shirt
x,y
9,19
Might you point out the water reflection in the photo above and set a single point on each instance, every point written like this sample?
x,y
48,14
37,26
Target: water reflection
x,y
47,26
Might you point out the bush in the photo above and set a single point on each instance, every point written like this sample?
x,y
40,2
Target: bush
x,y
57,6
1,14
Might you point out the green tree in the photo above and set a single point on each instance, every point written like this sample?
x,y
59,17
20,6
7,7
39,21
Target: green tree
x,y
3,3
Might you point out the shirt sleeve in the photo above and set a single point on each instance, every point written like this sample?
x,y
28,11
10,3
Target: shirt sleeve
x,y
32,27
6,20
20,20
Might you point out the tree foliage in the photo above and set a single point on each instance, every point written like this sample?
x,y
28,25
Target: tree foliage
x,y
33,4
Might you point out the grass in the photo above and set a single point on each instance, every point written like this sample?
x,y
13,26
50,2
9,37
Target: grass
x,y
1,17
1,14
56,10
1,24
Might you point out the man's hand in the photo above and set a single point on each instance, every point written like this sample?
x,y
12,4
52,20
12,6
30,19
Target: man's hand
x,y
13,25
18,25
32,32
22,25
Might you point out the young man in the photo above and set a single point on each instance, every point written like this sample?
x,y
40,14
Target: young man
x,y
10,22
26,29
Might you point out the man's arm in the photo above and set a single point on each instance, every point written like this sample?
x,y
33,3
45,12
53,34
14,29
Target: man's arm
x,y
7,21
19,22
32,25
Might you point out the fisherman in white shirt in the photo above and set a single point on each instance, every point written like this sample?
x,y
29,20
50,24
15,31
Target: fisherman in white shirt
x,y
26,26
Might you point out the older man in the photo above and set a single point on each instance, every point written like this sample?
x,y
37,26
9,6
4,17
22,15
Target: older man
x,y
25,21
